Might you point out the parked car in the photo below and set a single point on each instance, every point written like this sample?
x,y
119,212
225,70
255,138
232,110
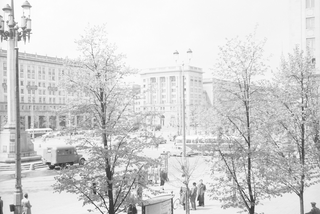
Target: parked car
x,y
162,140
177,151
61,155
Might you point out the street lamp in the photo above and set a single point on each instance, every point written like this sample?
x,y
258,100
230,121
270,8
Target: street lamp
x,y
11,32
185,167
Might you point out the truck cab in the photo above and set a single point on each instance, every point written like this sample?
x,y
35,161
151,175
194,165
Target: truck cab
x,y
61,155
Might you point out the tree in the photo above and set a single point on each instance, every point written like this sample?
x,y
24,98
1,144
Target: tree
x,y
295,125
96,91
240,181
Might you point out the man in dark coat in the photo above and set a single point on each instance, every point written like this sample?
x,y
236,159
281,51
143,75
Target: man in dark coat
x,y
314,210
193,196
201,191
1,206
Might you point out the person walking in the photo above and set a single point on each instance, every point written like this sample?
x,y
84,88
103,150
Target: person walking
x,y
193,196
1,206
201,191
314,210
162,178
130,209
26,206
183,191
134,209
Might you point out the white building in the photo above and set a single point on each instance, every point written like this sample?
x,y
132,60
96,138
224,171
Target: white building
x,y
162,92
39,95
310,29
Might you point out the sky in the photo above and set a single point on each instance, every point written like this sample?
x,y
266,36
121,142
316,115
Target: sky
x,y
149,31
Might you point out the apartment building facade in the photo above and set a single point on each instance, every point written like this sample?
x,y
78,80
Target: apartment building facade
x,y
310,33
40,96
161,91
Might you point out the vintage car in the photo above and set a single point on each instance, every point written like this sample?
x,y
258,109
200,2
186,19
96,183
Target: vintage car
x,y
62,156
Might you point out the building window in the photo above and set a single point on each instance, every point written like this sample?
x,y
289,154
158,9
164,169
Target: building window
x,y
43,73
21,83
22,91
39,73
21,71
28,72
310,23
22,100
33,73
309,3
311,46
5,69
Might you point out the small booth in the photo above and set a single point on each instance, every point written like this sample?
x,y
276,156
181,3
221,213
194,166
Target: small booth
x,y
158,205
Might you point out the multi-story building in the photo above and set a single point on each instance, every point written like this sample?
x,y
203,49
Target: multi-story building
x,y
39,95
310,25
162,93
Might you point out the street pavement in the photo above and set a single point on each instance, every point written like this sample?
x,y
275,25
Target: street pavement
x,y
38,184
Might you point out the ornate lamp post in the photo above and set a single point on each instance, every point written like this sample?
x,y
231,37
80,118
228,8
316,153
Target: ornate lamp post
x,y
183,107
12,33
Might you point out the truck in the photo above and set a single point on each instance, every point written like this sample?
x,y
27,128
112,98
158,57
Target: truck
x,y
61,155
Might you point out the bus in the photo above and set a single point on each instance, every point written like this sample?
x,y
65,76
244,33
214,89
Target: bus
x,y
38,131
209,145
199,144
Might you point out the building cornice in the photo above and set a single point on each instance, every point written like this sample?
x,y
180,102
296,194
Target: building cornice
x,y
171,69
35,58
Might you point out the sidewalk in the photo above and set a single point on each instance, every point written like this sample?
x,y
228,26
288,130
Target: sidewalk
x,y
174,186
7,171
24,166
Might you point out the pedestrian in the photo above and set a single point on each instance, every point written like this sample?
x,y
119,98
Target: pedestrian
x,y
193,196
134,209
183,191
26,206
314,210
130,209
1,206
162,178
201,191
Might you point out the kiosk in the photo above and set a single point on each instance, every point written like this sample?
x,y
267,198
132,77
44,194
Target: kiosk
x,y
158,205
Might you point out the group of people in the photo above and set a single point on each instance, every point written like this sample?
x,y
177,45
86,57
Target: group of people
x,y
195,193
25,204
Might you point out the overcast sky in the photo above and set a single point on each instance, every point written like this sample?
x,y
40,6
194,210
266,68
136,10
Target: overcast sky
x,y
149,31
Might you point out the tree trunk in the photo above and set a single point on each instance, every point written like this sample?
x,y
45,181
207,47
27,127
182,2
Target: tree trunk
x,y
105,144
251,210
301,203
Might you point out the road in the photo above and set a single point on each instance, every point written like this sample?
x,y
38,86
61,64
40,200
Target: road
x,y
38,185
44,200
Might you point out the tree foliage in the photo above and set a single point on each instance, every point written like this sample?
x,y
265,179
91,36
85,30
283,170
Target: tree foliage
x,y
295,130
239,171
115,170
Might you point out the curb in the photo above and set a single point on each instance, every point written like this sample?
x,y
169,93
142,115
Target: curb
x,y
24,166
